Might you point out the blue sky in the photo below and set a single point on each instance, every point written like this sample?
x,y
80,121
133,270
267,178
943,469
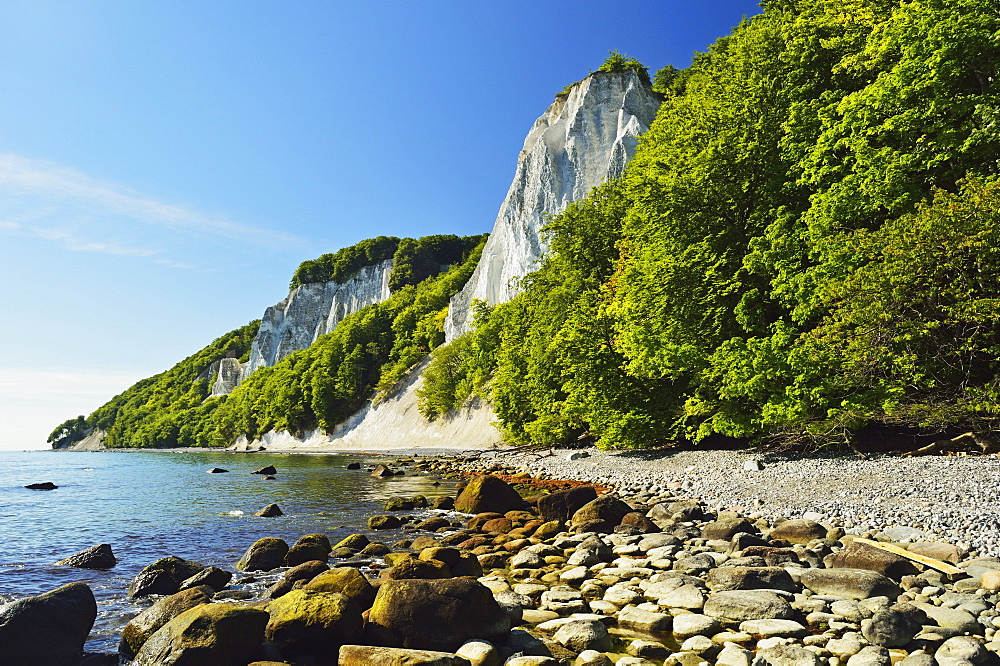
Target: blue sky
x,y
164,167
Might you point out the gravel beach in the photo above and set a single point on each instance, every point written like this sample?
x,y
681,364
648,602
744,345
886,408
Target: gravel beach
x,y
951,498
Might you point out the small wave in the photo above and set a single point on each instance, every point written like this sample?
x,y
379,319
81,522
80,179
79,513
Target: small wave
x,y
88,469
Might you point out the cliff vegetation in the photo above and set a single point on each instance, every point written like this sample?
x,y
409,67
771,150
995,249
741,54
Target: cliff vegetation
x,y
805,249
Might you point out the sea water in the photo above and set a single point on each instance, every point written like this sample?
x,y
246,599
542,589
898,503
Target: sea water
x,y
153,504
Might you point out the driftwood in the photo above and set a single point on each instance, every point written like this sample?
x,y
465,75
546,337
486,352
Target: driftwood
x,y
896,549
986,444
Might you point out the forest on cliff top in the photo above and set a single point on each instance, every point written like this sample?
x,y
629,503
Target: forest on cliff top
x,y
804,251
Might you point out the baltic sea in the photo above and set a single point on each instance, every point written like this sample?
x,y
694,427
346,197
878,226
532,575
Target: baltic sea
x,y
154,504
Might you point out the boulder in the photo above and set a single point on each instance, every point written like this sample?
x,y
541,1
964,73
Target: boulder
x,y
725,529
640,522
938,550
148,622
305,571
789,655
602,515
214,577
206,635
894,626
488,494
95,557
354,465
44,485
382,472
413,567
306,552
870,655
580,635
849,583
347,581
750,578
164,576
435,614
48,629
963,650
269,469
217,470
370,655
354,542
270,511
649,622
384,522
264,555
798,531
737,606
857,555
562,504
313,623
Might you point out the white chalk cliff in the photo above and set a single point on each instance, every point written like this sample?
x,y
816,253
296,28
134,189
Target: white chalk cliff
x,y
584,138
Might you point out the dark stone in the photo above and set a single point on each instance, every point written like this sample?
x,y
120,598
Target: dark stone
x,y
602,515
486,494
726,528
49,629
306,571
446,503
375,550
640,522
382,472
750,578
354,465
164,576
798,531
894,626
266,470
384,522
270,511
265,554
45,485
857,555
268,478
433,524
213,577
95,557
562,504
306,552
146,623
217,470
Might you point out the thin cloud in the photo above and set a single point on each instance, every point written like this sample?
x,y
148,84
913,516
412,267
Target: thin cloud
x,y
21,177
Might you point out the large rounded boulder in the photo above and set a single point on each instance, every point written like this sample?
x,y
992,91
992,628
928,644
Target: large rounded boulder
x,y
48,629
435,614
148,622
265,554
206,635
347,581
602,515
312,623
95,557
164,576
488,494
562,504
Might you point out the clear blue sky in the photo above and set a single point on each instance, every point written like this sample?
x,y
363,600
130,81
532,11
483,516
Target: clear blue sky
x,y
164,167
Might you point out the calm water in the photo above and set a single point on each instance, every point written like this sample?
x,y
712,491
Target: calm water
x,y
153,504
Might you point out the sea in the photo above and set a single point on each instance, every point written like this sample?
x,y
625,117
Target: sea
x,y
151,504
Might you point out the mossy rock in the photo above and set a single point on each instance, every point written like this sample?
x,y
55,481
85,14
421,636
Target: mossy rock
x,y
422,542
413,567
435,614
206,635
146,623
319,539
313,623
354,542
488,493
398,504
343,553
384,522
164,576
264,555
419,501
444,554
375,550
306,552
347,581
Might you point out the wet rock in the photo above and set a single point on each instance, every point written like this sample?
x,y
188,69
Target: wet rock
x,y
45,485
49,629
354,465
213,577
206,635
218,470
354,542
435,614
164,576
894,626
264,555
382,472
306,552
308,622
269,469
580,635
95,557
750,578
600,515
145,624
384,522
270,511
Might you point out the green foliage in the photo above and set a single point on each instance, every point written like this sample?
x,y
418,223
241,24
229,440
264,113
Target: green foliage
x,y
666,79
417,259
172,408
340,265
790,255
68,432
620,62
370,349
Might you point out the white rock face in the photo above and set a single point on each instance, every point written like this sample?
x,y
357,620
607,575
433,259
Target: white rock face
x,y
228,378
312,310
580,141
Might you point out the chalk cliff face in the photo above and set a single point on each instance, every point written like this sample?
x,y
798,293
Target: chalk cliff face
x,y
582,139
311,310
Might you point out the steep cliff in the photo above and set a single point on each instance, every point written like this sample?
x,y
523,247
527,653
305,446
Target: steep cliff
x,y
312,310
585,137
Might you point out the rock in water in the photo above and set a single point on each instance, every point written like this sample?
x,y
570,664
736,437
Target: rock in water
x,y
488,494
206,635
95,557
217,470
45,485
435,614
270,511
48,629
307,623
265,554
265,470
367,655
146,623
164,576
